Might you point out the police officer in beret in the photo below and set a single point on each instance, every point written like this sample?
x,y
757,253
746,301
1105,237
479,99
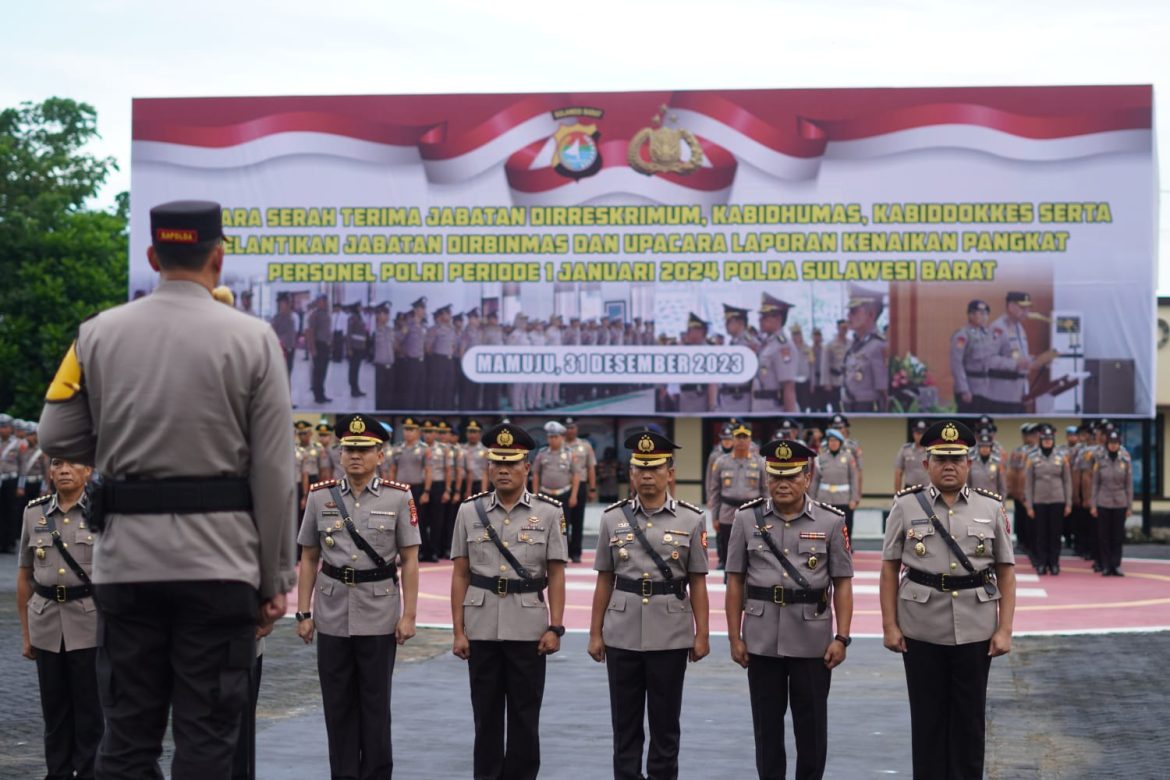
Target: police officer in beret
x,y
789,568
363,532
197,549
651,549
508,548
948,597
58,619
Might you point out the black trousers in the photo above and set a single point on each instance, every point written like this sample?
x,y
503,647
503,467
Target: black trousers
x,y
491,396
575,520
355,367
440,382
722,537
642,683
383,387
1049,522
948,703
288,359
507,688
772,682
71,709
431,522
413,376
1023,527
10,515
244,761
1110,537
320,368
356,674
187,647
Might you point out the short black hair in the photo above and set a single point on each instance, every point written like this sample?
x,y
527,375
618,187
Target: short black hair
x,y
185,257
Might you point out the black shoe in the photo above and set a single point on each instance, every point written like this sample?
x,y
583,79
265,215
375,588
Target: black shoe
x,y
576,559
1041,571
1097,568
356,394
1054,570
1117,573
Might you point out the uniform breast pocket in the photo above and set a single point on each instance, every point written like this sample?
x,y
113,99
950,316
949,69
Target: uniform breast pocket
x,y
811,554
676,548
980,541
728,477
328,522
480,547
534,544
82,548
753,479
40,546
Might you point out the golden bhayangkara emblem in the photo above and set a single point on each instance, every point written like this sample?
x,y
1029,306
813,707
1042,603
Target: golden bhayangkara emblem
x,y
664,148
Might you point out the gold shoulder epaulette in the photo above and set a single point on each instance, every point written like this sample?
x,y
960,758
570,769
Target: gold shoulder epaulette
x,y
830,507
988,493
477,495
325,484
690,506
548,499
908,490
618,505
397,485
40,500
753,502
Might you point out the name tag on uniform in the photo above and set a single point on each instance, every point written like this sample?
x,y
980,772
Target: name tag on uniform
x,y
679,533
330,512
981,519
381,512
476,524
813,535
920,521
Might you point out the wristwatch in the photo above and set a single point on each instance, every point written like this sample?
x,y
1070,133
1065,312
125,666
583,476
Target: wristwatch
x,y
302,616
845,640
558,630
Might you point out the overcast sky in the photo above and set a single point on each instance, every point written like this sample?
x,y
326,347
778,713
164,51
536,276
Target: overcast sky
x,y
105,53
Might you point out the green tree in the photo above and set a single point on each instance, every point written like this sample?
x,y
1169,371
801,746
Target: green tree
x,y
60,262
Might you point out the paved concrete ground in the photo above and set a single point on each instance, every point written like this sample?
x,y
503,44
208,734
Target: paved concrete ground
x,y
1059,707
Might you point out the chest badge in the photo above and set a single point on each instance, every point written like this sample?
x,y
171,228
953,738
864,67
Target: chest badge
x,y
674,555
813,561
624,554
41,553
329,541
920,549
981,549
667,538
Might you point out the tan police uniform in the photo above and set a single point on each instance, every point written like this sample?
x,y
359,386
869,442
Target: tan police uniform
x,y
1047,490
909,461
554,470
182,405
584,460
988,475
777,367
788,629
1111,494
477,466
731,482
62,627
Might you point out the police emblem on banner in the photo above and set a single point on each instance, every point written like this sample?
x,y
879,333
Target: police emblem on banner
x,y
576,154
663,149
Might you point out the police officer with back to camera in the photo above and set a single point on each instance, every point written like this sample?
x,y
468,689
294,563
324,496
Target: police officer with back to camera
x,y
1111,501
359,528
951,610
58,620
789,568
651,549
508,548
189,559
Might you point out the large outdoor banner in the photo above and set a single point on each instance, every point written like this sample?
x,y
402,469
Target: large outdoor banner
x,y
727,253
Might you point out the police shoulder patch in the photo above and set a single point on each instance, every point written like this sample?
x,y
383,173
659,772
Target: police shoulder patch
x,y
39,500
753,502
691,506
325,484
548,499
618,505
908,490
988,493
397,485
477,495
830,507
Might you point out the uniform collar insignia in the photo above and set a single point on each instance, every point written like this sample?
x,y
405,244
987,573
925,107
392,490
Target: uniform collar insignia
x,y
375,485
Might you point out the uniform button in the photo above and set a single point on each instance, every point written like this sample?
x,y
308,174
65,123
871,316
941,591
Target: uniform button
x,y
381,528
649,525
785,550
645,575
954,565
954,594
358,503
950,511
353,557
788,525
785,574
507,521
66,521
503,568
65,545
505,544
645,601
60,571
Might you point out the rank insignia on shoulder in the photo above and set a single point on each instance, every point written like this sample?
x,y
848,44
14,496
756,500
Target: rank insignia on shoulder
x,y
39,500
326,484
753,502
988,493
477,495
618,505
397,485
908,490
830,508
691,506
548,499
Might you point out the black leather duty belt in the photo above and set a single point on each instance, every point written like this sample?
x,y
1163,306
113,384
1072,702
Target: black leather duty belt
x,y
61,594
778,594
176,496
501,586
946,582
647,588
766,395
348,575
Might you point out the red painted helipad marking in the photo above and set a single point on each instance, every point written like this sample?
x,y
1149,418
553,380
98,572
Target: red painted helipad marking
x,y
1078,600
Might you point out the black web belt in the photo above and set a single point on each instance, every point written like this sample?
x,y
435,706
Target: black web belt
x,y
793,572
61,594
778,594
175,496
348,575
502,586
533,583
773,395
669,585
986,577
647,588
950,582
692,388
